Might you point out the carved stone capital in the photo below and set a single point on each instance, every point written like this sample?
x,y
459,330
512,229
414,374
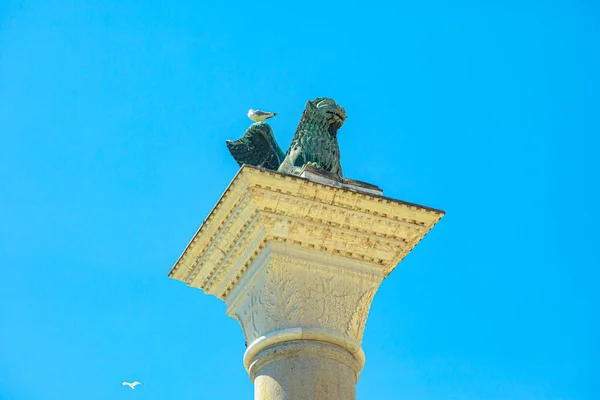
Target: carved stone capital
x,y
299,260
292,293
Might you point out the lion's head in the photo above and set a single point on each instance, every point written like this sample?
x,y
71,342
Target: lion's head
x,y
326,110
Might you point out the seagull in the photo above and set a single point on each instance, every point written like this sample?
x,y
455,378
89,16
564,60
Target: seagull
x,y
258,116
132,384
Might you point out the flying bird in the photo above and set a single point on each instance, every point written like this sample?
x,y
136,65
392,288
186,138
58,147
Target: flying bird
x,y
259,116
131,384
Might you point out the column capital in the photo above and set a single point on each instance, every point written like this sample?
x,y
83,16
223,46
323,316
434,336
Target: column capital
x,y
299,259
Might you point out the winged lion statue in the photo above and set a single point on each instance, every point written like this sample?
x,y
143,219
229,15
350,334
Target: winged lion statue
x,y
315,141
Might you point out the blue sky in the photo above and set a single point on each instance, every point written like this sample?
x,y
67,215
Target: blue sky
x,y
113,121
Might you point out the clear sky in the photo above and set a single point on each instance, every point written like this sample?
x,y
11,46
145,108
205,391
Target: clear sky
x,y
113,121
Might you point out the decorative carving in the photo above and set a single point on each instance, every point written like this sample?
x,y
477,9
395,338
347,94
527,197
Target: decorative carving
x,y
253,307
324,294
281,299
318,217
218,237
291,254
356,326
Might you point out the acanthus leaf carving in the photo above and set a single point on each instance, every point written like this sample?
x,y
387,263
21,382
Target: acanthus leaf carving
x,y
324,291
254,305
356,325
282,306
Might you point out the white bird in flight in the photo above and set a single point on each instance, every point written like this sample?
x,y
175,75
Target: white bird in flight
x,y
258,116
131,384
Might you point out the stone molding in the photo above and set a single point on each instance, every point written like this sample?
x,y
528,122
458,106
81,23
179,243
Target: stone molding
x,y
297,348
272,339
261,206
296,260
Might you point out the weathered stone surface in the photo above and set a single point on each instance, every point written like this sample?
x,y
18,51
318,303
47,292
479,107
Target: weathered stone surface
x,y
304,370
298,263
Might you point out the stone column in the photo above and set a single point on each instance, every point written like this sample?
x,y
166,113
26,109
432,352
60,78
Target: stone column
x,y
298,261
